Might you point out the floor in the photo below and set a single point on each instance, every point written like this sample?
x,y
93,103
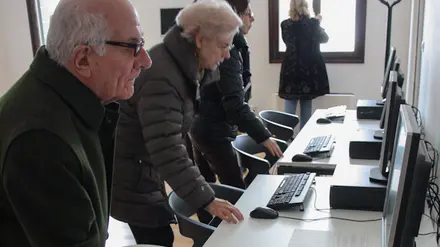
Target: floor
x,y
120,234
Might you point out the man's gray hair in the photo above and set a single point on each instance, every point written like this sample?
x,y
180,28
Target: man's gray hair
x,y
212,18
73,24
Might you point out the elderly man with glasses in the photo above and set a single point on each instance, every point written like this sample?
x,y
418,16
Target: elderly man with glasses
x,y
54,183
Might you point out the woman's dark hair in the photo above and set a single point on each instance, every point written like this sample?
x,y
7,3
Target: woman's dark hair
x,y
239,6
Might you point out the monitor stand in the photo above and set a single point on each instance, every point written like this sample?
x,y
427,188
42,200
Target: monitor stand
x,y
377,177
380,102
378,134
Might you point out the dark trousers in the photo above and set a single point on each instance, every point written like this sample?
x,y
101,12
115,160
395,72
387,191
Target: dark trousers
x,y
218,158
162,236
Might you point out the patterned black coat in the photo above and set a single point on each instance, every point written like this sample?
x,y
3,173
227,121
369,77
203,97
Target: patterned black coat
x,y
303,72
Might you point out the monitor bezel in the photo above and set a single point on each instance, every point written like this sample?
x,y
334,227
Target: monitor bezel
x,y
410,157
391,119
417,198
386,77
396,68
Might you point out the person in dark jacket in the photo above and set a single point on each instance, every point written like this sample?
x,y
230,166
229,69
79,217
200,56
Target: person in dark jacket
x,y
150,141
224,110
54,178
303,74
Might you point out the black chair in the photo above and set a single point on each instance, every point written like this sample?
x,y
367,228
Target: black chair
x,y
246,148
190,228
280,124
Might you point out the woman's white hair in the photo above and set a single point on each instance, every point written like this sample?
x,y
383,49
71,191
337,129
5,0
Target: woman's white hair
x,y
73,24
299,9
213,18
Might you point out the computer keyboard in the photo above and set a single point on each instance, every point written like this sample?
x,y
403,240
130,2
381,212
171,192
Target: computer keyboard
x,y
336,112
319,144
291,191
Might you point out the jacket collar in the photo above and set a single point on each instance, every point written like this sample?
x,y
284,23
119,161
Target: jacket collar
x,y
240,41
76,95
184,53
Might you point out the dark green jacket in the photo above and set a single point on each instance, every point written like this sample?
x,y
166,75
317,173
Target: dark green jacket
x,y
53,184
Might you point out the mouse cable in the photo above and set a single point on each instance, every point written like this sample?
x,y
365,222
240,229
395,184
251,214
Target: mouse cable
x,y
327,218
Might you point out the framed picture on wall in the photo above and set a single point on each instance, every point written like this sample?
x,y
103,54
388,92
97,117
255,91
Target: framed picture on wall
x,y
167,18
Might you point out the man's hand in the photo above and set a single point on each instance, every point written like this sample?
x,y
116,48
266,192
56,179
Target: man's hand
x,y
225,211
273,147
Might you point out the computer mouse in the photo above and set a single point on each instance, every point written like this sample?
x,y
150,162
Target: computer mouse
x,y
264,213
302,158
323,121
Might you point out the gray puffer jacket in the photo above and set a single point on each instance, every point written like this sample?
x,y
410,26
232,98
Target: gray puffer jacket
x,y
150,144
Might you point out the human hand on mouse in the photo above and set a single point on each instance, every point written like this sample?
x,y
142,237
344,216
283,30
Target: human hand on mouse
x,y
273,147
225,211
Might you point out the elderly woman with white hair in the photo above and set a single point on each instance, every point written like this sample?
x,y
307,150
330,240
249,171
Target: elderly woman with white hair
x,y
303,75
150,141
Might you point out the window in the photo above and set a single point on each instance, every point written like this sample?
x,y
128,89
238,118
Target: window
x,y
47,7
343,20
39,13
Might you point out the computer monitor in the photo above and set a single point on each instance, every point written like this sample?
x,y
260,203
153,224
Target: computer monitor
x,y
396,67
386,77
408,182
379,174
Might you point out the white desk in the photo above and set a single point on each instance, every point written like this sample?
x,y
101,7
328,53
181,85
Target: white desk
x,y
277,232
340,154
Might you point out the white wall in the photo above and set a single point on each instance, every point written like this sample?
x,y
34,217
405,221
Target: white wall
x,y
362,79
15,42
429,100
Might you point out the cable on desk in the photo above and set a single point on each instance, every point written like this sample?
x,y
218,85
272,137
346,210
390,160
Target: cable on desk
x,y
314,202
419,120
327,218
432,197
433,156
330,218
426,234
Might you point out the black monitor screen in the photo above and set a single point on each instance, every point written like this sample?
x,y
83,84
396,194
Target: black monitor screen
x,y
382,117
396,68
392,114
386,77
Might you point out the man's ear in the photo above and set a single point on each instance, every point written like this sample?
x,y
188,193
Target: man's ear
x,y
81,60
198,39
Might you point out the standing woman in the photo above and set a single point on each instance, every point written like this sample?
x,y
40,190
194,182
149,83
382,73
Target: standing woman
x,y
303,74
150,141
224,110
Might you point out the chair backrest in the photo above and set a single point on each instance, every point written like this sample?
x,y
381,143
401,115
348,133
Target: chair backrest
x,y
246,148
188,227
279,123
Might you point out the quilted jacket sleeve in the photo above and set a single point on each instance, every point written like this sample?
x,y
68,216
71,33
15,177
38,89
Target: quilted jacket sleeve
x,y
161,116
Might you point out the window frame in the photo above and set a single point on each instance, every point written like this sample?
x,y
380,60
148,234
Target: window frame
x,y
357,56
33,12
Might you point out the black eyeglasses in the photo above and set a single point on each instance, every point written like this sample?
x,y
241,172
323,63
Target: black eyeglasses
x,y
136,47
